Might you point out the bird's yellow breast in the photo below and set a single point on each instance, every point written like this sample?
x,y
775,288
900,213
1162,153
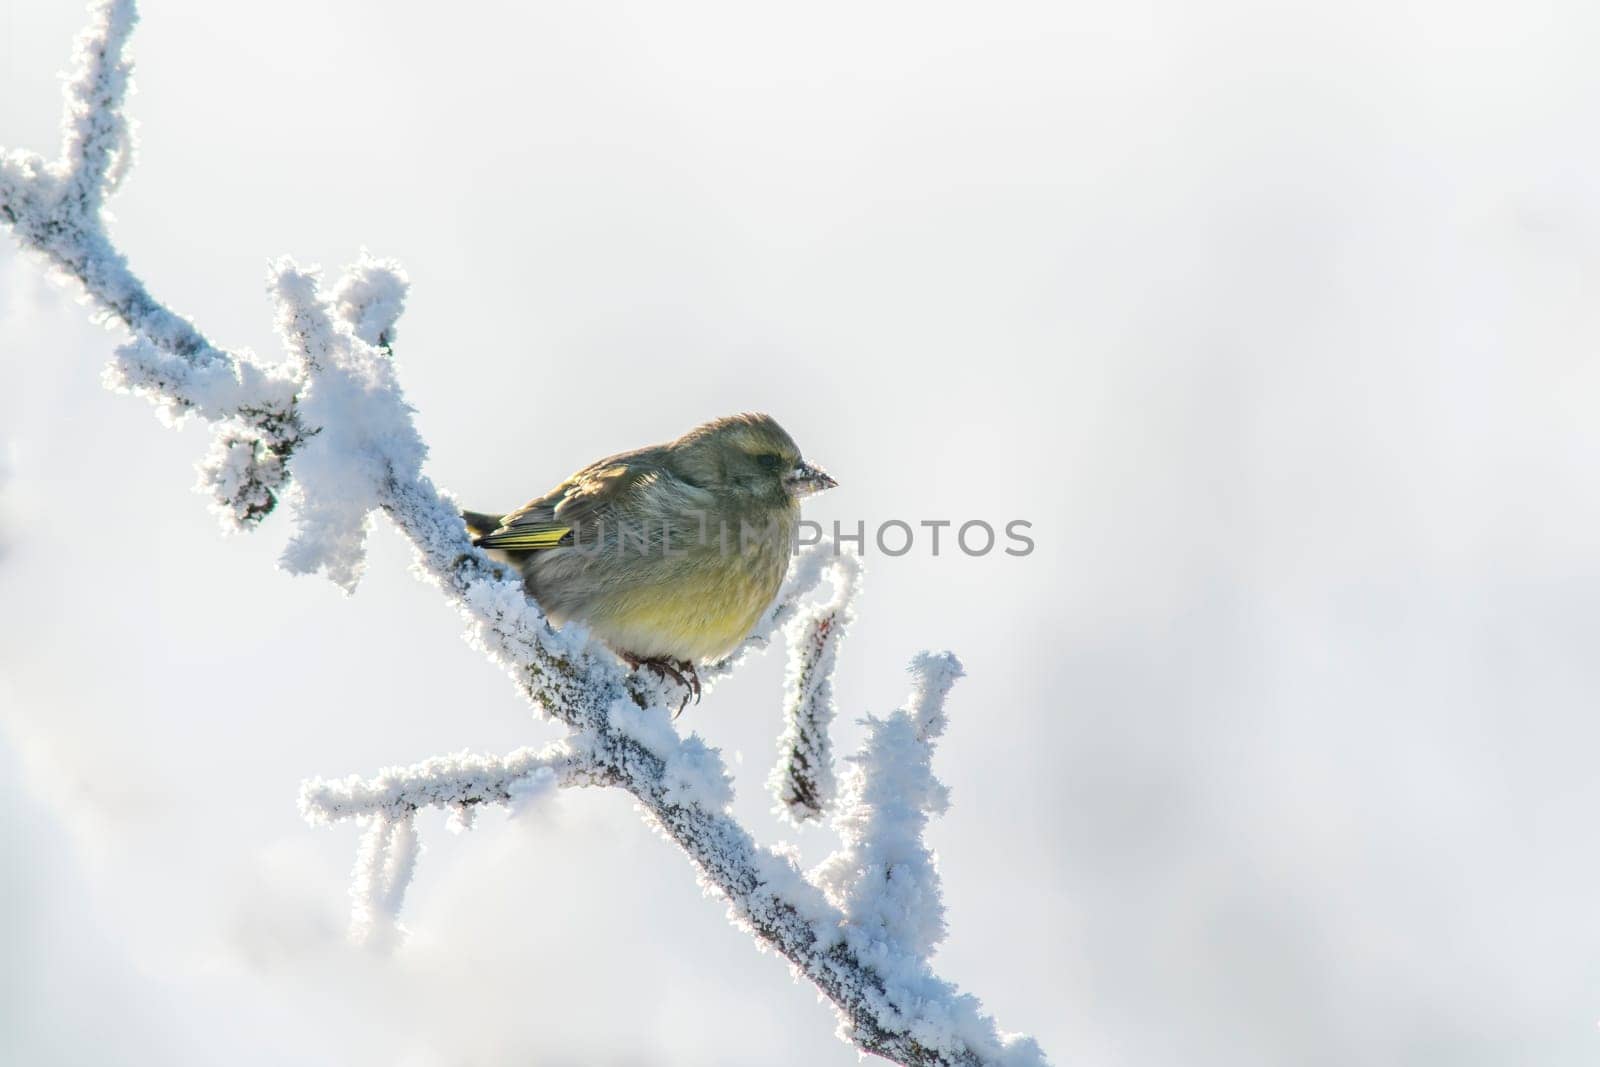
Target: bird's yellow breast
x,y
697,606
695,616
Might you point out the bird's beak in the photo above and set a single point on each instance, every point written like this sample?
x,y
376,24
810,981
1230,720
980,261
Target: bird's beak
x,y
806,479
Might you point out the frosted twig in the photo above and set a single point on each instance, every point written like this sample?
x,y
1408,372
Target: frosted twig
x,y
861,929
461,780
884,877
388,804
802,780
55,210
385,862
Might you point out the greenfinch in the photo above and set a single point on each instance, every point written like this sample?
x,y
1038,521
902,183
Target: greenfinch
x,y
669,554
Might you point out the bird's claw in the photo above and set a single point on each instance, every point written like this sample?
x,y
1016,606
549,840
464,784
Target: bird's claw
x,y
687,667
676,670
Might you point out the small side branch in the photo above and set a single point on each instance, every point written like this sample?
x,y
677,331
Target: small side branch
x,y
388,804
884,877
450,782
802,781
385,863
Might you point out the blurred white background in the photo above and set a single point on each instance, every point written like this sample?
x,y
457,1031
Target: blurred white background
x,y
1276,320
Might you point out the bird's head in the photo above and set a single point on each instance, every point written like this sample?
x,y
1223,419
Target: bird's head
x,y
751,455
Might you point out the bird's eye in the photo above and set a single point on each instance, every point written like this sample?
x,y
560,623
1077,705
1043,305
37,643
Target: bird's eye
x,y
770,461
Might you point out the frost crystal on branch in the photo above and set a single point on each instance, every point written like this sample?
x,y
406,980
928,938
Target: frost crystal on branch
x,y
329,432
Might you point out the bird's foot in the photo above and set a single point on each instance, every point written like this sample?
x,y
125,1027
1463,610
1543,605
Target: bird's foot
x,y
687,667
674,669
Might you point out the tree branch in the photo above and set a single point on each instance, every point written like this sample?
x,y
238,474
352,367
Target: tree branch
x,y
55,210
862,928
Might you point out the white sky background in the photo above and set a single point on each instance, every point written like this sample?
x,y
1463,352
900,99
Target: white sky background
x,y
1277,320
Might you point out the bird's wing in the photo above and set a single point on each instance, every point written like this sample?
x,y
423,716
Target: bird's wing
x,y
589,495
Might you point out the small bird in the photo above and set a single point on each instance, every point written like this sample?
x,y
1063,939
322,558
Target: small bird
x,y
669,554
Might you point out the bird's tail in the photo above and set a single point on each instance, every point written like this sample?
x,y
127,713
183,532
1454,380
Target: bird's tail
x,y
480,523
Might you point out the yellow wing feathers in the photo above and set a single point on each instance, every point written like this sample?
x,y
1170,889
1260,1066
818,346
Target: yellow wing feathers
x,y
529,538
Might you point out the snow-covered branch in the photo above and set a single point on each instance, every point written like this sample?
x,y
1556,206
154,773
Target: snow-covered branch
x,y
802,780
452,782
388,804
55,209
884,877
862,928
